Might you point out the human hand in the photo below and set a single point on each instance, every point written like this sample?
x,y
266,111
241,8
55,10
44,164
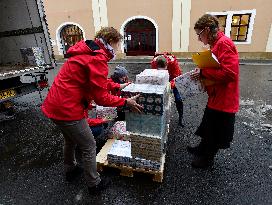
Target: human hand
x,y
133,105
122,86
106,119
195,75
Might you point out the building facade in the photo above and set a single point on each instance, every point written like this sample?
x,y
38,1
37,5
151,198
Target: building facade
x,y
150,26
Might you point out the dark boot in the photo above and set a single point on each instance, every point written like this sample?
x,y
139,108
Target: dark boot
x,y
98,188
179,106
197,151
206,160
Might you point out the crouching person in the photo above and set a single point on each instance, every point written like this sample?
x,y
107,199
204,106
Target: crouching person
x,y
117,82
167,61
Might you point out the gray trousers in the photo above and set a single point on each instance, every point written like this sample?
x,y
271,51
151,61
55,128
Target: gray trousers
x,y
79,133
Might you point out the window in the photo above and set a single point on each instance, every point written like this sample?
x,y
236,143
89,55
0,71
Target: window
x,y
222,22
238,25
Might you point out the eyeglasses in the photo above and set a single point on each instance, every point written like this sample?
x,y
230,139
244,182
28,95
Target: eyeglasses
x,y
200,32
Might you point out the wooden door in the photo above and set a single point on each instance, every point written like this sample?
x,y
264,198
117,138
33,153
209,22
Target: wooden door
x,y
140,38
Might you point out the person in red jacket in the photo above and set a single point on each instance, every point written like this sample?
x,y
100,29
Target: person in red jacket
x,y
167,61
83,78
217,126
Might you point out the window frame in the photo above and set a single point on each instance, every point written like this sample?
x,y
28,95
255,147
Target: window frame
x,y
228,27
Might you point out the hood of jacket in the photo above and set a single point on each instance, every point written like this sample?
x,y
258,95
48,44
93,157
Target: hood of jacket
x,y
89,47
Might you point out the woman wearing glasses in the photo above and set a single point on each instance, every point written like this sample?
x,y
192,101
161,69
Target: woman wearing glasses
x,y
217,126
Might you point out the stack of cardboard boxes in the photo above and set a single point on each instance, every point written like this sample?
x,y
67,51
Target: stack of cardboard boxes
x,y
148,130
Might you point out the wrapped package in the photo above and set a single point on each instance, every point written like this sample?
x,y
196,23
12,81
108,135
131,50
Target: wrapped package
x,y
145,124
150,147
109,113
153,77
152,97
188,87
147,164
120,153
33,56
119,131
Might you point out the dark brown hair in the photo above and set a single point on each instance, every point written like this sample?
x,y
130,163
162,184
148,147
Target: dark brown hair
x,y
211,22
109,35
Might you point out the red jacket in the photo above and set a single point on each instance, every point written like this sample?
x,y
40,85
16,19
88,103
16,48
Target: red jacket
x,y
224,93
173,67
113,88
93,121
82,78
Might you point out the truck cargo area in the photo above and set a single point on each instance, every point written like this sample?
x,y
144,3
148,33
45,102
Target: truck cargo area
x,y
26,52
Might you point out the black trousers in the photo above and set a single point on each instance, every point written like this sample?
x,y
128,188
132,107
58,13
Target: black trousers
x,y
216,129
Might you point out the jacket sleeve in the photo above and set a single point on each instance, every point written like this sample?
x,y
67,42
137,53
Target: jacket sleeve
x,y
153,63
98,72
95,121
112,86
229,65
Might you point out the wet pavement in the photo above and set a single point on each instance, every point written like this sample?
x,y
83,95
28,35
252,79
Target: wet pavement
x,y
31,170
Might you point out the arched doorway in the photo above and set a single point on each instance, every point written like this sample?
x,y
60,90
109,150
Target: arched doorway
x,y
69,36
140,37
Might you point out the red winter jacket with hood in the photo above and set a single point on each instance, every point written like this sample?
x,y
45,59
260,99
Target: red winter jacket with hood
x,y
82,78
224,93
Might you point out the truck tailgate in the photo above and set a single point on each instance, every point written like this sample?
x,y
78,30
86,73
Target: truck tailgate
x,y
19,70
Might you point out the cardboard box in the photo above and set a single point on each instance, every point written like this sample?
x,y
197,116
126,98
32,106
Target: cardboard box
x,y
152,97
153,77
149,147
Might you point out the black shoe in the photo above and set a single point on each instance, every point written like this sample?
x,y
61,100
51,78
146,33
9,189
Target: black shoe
x,y
195,150
181,124
72,175
203,162
98,188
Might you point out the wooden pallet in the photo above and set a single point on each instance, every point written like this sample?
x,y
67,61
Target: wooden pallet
x,y
127,171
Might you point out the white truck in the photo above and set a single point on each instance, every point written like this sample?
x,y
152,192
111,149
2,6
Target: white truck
x,y
26,52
